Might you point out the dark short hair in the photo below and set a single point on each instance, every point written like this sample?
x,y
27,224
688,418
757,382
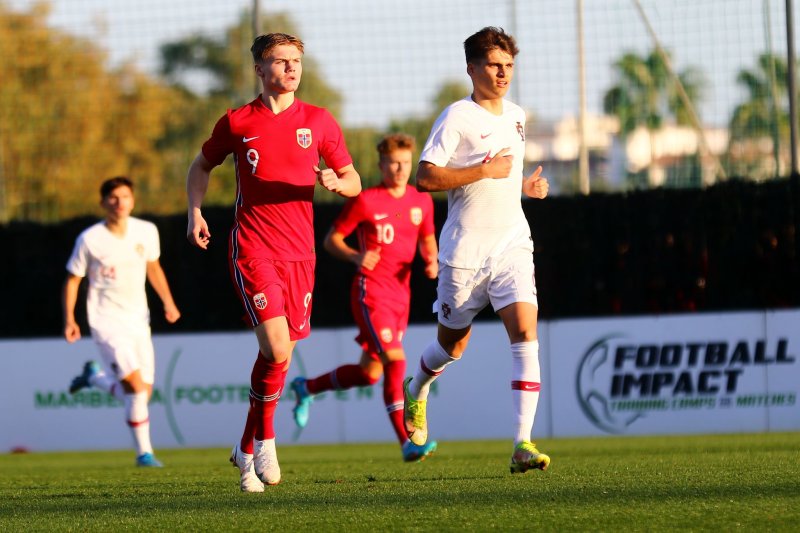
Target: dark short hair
x,y
479,44
263,44
111,184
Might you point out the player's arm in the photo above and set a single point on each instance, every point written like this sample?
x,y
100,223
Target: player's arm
x,y
431,177
158,280
343,181
336,246
196,187
429,251
535,185
69,298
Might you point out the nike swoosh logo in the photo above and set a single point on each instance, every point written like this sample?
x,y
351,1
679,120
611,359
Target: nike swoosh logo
x,y
484,136
381,217
248,139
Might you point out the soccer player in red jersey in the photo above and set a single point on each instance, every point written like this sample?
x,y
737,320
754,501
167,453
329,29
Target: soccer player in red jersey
x,y
391,220
276,141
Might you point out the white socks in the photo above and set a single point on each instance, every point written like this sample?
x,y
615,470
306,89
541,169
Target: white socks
x,y
138,418
433,361
525,384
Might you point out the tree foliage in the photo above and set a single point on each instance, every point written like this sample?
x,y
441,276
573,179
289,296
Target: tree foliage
x,y
67,121
645,93
767,104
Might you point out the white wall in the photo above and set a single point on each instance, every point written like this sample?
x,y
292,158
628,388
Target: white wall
x,y
202,382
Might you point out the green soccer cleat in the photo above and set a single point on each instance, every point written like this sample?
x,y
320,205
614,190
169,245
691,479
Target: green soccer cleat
x,y
303,400
527,457
413,453
414,416
82,382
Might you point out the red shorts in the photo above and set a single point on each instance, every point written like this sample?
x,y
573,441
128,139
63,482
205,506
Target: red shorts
x,y
271,288
381,324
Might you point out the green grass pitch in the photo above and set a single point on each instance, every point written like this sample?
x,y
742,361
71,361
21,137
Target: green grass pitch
x,y
747,482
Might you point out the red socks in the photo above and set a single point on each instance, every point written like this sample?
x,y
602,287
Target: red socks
x,y
341,378
266,386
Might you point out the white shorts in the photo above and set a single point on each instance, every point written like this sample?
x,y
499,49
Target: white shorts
x,y
462,292
126,351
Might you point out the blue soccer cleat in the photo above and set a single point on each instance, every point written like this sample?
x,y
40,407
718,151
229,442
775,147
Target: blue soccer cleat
x,y
148,460
414,453
303,400
82,382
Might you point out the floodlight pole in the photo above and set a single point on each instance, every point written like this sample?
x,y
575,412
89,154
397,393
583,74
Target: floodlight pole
x,y
792,82
512,15
583,149
256,25
794,178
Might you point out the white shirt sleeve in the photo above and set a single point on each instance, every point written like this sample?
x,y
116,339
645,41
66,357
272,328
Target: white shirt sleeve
x,y
443,141
78,262
154,248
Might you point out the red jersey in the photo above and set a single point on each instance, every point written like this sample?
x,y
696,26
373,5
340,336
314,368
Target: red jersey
x,y
395,225
274,156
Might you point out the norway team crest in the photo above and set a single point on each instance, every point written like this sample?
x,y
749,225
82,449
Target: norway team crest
x,y
260,300
304,137
416,216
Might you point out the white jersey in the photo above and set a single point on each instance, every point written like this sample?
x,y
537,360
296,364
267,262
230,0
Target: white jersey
x,y
484,218
117,271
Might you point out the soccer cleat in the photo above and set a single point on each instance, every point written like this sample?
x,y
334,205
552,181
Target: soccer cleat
x,y
265,462
303,400
248,480
412,453
527,457
414,416
148,460
81,382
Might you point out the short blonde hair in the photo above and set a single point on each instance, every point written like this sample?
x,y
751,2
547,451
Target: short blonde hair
x,y
396,141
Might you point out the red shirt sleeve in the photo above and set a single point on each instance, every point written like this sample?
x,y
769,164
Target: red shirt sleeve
x,y
220,144
427,227
350,217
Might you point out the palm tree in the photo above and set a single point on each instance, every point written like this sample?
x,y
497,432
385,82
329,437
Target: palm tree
x,y
763,115
765,107
645,95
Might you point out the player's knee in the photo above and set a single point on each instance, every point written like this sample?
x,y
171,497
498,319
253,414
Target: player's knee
x,y
525,335
133,383
372,377
371,373
276,354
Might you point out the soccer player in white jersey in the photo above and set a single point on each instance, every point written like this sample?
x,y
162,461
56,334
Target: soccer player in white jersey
x,y
475,152
117,254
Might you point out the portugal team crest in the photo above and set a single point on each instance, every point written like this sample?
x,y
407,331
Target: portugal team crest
x,y
260,300
304,137
416,216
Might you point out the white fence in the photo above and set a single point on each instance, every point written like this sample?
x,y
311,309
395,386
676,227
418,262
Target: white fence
x,y
698,373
